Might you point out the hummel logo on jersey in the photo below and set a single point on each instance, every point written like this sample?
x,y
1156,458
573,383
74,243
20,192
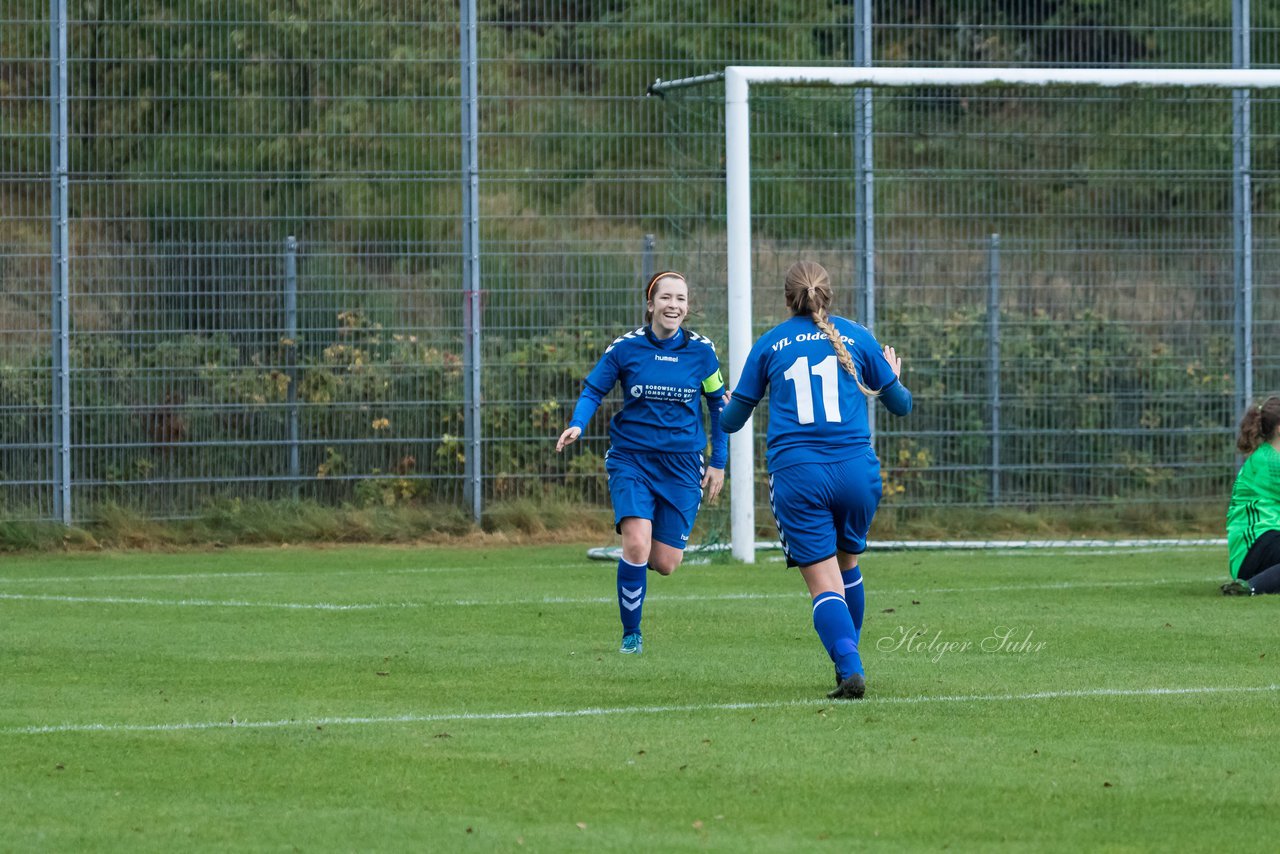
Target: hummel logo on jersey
x,y
660,358
631,598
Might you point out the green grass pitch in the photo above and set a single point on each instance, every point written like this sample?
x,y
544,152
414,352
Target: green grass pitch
x,y
432,699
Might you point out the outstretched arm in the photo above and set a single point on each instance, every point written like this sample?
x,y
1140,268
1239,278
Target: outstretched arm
x,y
748,389
736,412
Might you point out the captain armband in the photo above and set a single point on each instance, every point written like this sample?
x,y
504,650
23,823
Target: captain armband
x,y
713,382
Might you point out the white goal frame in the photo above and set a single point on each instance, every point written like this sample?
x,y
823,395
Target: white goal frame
x,y
738,80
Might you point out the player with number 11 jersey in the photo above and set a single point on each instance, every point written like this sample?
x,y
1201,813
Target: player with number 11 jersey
x,y
824,477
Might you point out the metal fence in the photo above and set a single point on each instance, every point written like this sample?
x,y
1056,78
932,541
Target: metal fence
x,y
239,259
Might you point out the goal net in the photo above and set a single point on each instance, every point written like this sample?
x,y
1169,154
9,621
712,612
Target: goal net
x,y
1080,268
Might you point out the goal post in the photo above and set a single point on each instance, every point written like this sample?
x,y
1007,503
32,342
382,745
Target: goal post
x,y
737,87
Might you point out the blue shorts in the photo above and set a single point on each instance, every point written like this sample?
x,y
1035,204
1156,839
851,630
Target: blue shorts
x,y
663,488
822,508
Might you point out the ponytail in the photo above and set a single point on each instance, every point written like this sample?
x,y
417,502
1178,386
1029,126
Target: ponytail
x,y
1258,425
807,290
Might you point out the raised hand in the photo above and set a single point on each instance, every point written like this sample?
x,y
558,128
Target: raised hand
x,y
891,356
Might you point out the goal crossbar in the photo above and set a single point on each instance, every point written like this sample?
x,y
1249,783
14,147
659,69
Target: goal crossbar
x,y
738,80
877,76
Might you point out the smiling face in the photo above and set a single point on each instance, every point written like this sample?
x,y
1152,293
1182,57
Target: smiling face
x,y
668,305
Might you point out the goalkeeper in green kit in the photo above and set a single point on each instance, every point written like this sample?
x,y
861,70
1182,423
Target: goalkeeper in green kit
x,y
1253,517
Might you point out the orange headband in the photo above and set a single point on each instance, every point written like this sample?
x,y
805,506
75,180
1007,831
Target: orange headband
x,y
658,276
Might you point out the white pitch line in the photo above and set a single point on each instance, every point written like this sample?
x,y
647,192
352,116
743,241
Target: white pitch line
x,y
566,600
592,600
1099,552
995,552
207,603
1057,585
189,576
635,710
873,591
193,576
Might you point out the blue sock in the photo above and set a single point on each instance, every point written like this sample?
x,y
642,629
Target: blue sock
x,y
856,597
835,627
631,588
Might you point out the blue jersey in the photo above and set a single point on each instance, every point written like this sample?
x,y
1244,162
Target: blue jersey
x,y
817,413
663,383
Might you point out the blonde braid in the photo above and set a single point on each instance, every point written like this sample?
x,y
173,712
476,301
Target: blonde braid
x,y
808,291
842,352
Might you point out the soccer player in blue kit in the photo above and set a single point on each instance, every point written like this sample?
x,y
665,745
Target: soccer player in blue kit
x,y
824,477
655,459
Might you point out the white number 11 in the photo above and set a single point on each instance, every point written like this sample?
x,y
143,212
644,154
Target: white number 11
x,y
828,372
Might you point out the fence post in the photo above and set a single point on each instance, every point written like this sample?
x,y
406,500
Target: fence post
x,y
472,488
864,181
1242,209
291,355
61,258
646,259
993,359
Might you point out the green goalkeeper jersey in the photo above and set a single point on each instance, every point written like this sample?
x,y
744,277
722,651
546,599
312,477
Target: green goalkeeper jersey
x,y
1255,504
